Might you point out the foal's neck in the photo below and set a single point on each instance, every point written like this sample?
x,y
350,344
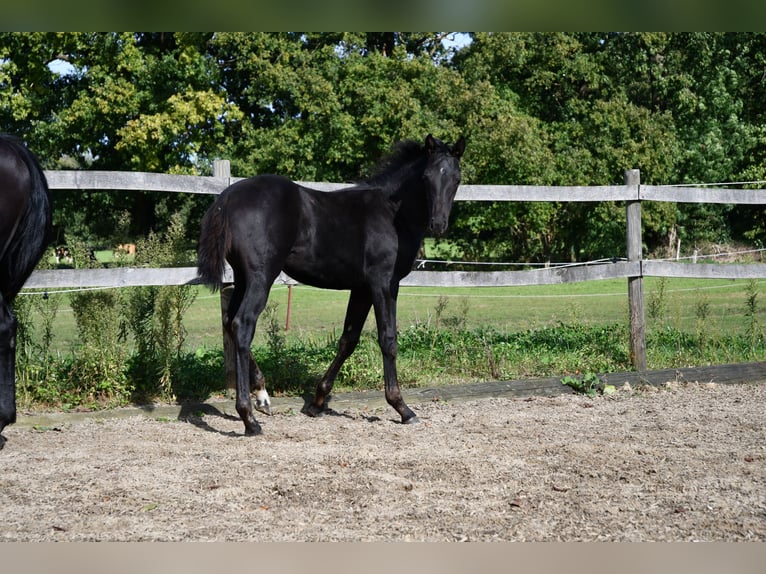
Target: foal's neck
x,y
409,197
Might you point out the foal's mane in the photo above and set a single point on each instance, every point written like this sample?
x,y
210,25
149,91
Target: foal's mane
x,y
403,153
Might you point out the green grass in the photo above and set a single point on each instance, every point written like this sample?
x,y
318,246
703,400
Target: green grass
x,y
318,313
445,336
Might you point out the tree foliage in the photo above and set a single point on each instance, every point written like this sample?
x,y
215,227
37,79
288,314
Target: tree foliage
x,y
537,108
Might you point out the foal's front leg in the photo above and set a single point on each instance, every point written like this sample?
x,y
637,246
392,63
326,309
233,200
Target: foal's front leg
x,y
385,315
359,304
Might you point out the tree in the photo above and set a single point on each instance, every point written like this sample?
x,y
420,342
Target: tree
x,y
324,107
537,108
144,102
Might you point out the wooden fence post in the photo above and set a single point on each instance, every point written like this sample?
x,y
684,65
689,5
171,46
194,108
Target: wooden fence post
x,y
222,168
635,284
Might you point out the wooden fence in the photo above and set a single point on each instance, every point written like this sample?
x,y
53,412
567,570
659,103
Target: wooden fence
x,y
634,268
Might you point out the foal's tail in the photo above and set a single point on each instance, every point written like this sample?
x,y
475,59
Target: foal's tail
x,y
213,246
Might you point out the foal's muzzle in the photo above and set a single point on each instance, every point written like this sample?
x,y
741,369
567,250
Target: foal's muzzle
x,y
437,227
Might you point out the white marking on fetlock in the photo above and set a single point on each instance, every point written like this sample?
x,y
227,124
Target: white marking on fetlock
x,y
262,401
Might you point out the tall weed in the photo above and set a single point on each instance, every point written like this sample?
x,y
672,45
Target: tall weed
x,y
657,306
753,328
36,364
154,315
702,312
96,373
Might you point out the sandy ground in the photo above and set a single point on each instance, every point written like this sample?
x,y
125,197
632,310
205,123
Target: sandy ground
x,y
686,462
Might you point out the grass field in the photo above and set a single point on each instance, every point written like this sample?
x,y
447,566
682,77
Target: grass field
x,y
317,313
447,335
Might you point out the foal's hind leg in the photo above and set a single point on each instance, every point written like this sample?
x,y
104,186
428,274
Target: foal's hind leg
x,y
359,304
7,367
247,304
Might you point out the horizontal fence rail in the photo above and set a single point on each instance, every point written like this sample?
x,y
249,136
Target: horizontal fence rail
x,y
145,276
144,181
681,194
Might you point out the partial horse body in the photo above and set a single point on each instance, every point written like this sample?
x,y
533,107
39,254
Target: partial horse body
x,y
364,238
25,220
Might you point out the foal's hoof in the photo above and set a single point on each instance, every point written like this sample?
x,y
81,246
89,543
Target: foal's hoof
x,y
262,402
252,428
413,420
2,441
313,411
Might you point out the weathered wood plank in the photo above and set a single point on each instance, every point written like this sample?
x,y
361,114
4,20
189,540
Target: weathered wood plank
x,y
133,276
137,276
719,374
702,194
548,386
117,277
146,181
544,193
545,276
704,270
135,181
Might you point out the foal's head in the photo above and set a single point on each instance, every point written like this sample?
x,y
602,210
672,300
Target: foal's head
x,y
441,177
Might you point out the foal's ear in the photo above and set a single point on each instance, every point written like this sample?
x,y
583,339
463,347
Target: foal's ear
x,y
459,148
430,143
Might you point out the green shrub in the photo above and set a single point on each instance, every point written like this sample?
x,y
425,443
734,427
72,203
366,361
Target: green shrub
x,y
96,373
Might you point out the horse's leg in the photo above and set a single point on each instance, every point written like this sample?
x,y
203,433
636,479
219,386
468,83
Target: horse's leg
x,y
254,374
359,304
247,303
258,386
384,302
7,367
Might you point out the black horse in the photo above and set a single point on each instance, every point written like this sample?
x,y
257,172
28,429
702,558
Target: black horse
x,y
25,219
363,238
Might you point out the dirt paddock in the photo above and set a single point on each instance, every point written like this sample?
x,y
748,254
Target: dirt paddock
x,y
680,463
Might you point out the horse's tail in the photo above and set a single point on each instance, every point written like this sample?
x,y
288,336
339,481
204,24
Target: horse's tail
x,y
33,230
214,243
